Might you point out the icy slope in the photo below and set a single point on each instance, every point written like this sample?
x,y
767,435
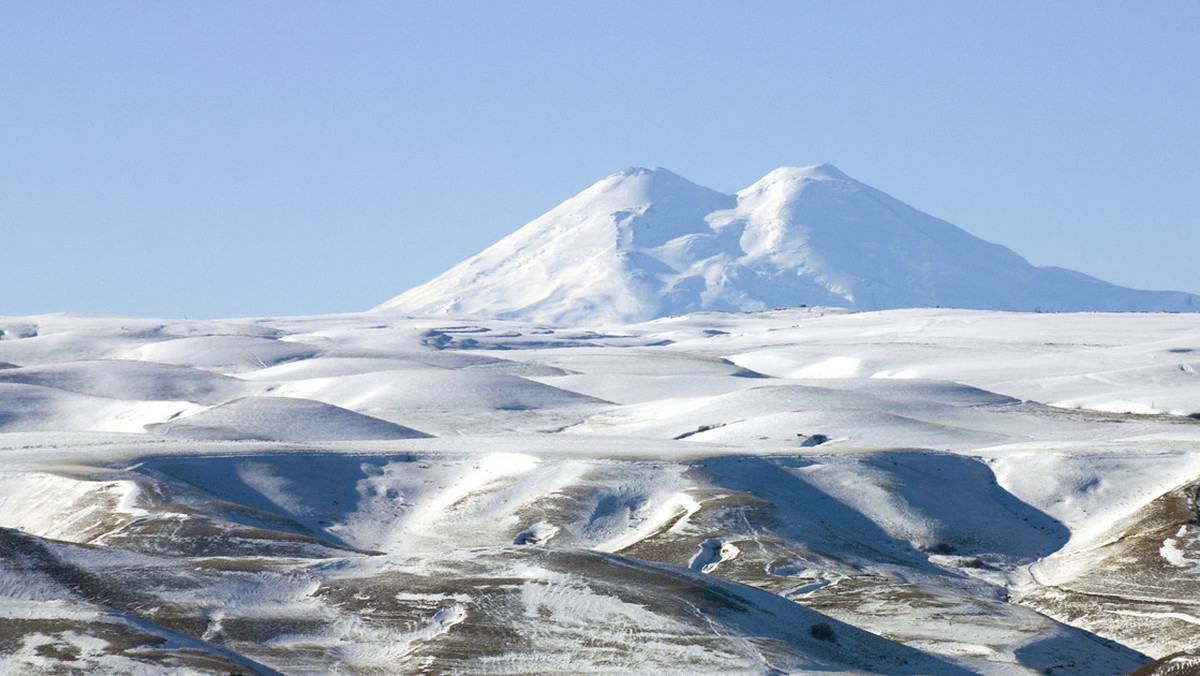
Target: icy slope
x,y
647,243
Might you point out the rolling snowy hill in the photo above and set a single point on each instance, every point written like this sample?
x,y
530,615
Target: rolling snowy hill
x,y
647,243
811,490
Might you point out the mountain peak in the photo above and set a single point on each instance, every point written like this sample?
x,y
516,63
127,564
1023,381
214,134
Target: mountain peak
x,y
628,172
646,176
816,172
646,243
636,189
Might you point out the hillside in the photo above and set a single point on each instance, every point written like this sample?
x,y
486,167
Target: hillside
x,y
809,490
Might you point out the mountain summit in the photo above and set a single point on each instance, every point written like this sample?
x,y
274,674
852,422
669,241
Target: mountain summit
x,y
647,243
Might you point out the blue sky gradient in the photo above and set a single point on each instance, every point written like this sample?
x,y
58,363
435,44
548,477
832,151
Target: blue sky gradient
x,y
228,159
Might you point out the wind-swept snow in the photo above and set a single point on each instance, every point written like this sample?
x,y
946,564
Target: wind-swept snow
x,y
281,419
791,491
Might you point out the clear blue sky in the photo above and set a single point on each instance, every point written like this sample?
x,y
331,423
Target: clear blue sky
x,y
224,159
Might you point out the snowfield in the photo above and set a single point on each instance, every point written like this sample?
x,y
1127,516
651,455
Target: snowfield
x,y
811,490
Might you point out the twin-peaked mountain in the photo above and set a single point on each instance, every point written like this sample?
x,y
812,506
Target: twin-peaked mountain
x,y
647,243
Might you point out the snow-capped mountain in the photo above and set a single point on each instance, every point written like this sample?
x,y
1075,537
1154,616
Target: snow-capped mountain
x,y
647,243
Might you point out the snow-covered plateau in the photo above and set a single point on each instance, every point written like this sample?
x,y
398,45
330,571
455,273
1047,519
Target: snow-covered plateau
x,y
811,490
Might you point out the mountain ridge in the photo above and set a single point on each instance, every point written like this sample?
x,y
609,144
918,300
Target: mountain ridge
x,y
646,243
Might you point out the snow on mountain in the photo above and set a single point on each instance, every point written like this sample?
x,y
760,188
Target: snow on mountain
x,y
599,254
647,243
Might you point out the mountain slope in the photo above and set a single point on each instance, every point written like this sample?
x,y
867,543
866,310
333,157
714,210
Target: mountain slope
x,y
646,243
